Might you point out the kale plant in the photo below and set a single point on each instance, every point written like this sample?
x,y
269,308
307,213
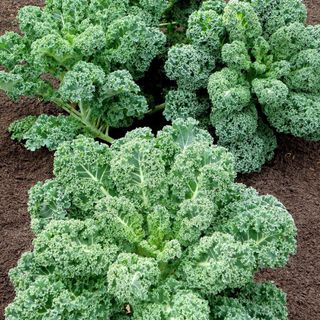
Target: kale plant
x,y
248,68
244,69
151,228
84,56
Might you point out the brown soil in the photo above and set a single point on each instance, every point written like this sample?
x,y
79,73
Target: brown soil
x,y
293,176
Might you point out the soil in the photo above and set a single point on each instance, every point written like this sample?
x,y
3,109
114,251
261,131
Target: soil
x,y
293,176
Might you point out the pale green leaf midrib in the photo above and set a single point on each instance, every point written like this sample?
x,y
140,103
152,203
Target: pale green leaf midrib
x,y
96,179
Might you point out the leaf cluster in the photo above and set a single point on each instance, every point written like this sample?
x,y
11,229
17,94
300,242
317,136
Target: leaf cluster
x,y
85,56
258,63
153,227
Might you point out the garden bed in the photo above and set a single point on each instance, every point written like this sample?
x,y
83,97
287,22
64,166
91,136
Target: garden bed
x,y
293,177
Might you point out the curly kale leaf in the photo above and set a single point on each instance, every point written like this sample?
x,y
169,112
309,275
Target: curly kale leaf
x,y
189,66
206,28
254,301
114,98
274,14
123,51
45,131
21,126
185,104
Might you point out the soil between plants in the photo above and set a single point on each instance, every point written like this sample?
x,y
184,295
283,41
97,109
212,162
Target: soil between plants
x,y
293,176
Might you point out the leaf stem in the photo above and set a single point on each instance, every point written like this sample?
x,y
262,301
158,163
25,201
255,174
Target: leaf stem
x,y
81,118
164,24
157,108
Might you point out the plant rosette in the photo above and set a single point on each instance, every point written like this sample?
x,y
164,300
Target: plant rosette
x,y
151,228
